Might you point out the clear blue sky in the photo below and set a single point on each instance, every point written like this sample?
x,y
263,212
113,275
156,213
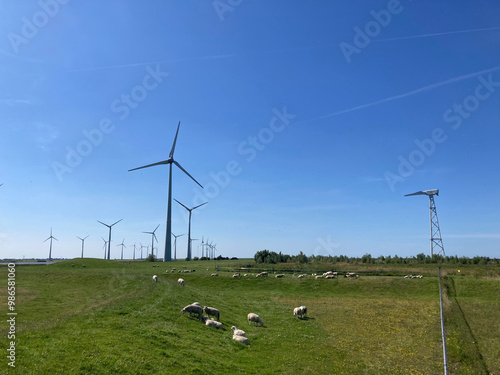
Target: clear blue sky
x,y
306,122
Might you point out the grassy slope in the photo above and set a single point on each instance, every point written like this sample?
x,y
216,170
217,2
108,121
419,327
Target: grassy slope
x,y
110,318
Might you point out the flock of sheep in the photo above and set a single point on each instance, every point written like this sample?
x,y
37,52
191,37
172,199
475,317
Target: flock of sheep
x,y
197,309
238,335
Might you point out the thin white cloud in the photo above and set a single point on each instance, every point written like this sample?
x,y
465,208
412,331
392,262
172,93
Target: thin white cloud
x,y
118,66
45,135
484,236
14,102
437,34
406,94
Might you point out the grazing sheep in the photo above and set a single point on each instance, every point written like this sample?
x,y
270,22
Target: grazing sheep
x,y
212,311
181,282
318,276
254,318
280,275
213,323
241,339
196,304
246,274
351,275
300,312
193,309
302,276
262,274
236,274
214,274
186,271
155,278
330,277
238,332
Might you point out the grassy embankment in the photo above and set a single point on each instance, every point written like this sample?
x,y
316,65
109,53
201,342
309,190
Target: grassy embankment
x,y
108,318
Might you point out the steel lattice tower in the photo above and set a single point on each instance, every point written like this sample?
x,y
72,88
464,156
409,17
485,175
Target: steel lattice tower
x,y
436,240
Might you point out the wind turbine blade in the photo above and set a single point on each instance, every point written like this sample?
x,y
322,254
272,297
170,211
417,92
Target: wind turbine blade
x,y
182,204
156,228
194,208
55,238
151,165
175,141
116,222
47,239
79,238
87,236
182,169
417,193
103,223
154,235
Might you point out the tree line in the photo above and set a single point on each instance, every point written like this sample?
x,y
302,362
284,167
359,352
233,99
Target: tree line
x,y
271,257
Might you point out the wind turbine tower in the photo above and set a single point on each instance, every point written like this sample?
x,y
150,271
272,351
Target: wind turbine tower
x,y
168,238
109,240
153,238
122,245
189,227
436,240
105,246
175,244
50,248
83,242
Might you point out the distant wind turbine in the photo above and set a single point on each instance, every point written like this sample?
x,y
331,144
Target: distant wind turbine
x,y
50,238
105,246
122,245
142,246
436,240
153,238
189,227
133,255
83,242
168,238
109,241
175,244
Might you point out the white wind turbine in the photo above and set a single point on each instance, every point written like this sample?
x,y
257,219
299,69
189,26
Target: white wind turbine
x,y
50,248
142,246
189,226
122,245
109,240
168,238
175,244
105,247
83,242
153,238
436,240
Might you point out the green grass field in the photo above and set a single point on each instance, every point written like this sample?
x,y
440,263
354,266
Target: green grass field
x,y
108,318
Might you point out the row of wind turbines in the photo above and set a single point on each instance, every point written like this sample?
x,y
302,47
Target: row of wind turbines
x,y
436,241
167,256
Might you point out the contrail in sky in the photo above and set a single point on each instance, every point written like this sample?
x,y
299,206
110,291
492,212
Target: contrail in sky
x,y
437,34
155,62
406,94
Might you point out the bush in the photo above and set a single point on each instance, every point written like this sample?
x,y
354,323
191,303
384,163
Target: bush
x,y
151,258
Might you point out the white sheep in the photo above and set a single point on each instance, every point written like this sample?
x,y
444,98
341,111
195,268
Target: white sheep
x,y
181,282
254,318
318,276
280,275
236,274
193,309
238,332
212,311
214,274
302,276
155,278
196,304
213,323
300,312
241,339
